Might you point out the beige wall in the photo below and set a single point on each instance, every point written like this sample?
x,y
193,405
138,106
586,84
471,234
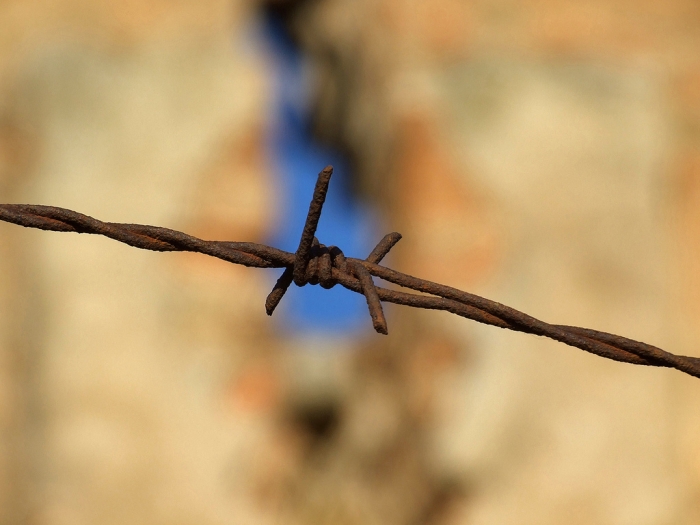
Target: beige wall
x,y
544,154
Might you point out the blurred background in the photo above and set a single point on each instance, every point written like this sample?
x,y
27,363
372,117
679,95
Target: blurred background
x,y
545,154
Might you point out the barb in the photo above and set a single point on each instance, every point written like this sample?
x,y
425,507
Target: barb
x,y
313,263
303,254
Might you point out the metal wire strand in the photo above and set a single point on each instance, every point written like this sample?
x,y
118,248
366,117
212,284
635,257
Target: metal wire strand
x,y
303,254
313,263
373,301
383,247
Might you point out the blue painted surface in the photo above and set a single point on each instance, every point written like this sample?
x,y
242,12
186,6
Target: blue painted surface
x,y
297,159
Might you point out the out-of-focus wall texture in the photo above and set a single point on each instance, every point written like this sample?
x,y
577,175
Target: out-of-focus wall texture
x,y
544,154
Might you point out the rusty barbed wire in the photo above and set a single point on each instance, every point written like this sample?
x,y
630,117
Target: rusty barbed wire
x,y
314,263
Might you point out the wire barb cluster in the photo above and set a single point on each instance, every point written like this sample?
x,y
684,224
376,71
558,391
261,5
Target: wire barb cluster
x,y
313,263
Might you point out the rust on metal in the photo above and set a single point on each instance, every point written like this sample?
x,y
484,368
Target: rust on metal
x,y
303,254
373,301
383,247
313,263
275,296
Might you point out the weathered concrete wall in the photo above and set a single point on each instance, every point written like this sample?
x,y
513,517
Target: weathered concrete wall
x,y
543,154
117,364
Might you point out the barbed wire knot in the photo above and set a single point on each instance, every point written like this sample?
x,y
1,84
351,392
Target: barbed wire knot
x,y
314,262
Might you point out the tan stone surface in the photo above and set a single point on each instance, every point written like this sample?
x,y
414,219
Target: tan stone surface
x,y
128,108
565,136
544,154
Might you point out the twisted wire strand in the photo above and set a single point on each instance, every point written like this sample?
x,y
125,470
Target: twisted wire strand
x,y
314,263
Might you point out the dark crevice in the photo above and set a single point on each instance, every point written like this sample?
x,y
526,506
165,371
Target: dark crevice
x,y
331,103
318,420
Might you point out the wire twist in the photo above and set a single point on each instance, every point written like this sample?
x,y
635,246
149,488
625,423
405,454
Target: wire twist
x,y
313,263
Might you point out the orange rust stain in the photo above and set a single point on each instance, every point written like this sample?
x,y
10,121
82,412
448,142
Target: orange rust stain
x,y
257,389
445,222
689,228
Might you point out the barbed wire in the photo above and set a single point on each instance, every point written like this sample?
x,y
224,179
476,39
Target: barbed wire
x,y
314,263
